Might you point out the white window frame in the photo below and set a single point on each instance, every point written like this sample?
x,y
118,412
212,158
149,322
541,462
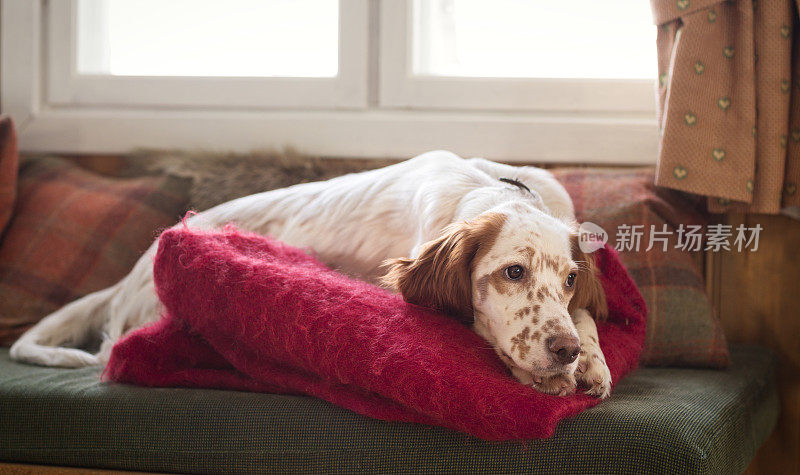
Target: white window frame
x,y
400,87
66,86
388,117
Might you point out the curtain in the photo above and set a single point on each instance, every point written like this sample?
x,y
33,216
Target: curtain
x,y
729,102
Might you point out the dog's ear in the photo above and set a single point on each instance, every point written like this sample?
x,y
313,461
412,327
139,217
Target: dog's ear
x,y
589,293
440,277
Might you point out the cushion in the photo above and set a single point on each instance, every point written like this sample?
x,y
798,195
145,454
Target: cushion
x,y
247,312
74,232
682,329
659,420
8,170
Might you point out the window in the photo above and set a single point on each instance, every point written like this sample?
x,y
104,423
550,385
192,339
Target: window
x,y
533,39
509,79
240,38
245,54
518,55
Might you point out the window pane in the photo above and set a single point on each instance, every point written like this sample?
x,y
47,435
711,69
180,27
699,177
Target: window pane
x,y
294,38
534,38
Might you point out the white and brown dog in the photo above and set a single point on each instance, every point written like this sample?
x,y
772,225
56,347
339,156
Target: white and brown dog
x,y
491,242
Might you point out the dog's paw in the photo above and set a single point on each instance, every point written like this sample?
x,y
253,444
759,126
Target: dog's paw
x,y
558,385
522,376
593,372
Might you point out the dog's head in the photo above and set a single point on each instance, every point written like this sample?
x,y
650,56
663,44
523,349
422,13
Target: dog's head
x,y
518,273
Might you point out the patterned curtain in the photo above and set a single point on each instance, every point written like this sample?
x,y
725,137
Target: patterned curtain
x,y
729,102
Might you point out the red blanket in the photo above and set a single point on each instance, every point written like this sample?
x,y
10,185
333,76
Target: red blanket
x,y
249,313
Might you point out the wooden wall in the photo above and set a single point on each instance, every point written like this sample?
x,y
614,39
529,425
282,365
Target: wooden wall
x,y
757,295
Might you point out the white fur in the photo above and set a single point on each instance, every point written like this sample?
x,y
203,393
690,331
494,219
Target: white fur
x,y
354,223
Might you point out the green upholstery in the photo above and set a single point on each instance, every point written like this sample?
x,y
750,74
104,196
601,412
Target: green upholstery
x,y
658,420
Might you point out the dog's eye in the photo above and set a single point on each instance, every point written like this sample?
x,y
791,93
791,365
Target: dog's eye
x,y
570,279
515,272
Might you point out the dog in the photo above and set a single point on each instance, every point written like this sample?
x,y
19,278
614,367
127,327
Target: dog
x,y
492,244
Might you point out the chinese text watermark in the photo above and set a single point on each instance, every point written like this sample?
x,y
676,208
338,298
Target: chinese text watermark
x,y
692,237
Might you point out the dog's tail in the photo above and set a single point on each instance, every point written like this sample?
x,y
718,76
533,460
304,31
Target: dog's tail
x,y
74,325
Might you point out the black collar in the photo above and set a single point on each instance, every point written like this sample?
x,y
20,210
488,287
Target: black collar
x,y
516,183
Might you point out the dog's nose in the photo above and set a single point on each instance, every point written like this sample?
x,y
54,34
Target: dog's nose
x,y
564,348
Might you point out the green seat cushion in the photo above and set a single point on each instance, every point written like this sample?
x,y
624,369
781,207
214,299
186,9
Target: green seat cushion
x,y
658,420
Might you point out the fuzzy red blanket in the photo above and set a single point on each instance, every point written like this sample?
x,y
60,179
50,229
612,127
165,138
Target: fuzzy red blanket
x,y
246,312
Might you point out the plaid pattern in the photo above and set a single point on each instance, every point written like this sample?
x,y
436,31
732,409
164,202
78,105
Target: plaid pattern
x,y
681,327
659,420
8,170
74,232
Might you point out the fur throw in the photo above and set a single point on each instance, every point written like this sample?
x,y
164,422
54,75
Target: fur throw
x,y
219,177
245,312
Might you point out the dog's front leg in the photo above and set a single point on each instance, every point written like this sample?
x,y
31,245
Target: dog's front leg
x,y
592,369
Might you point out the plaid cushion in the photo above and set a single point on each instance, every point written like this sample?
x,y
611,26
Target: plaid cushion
x,y
8,170
682,329
74,232
659,420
